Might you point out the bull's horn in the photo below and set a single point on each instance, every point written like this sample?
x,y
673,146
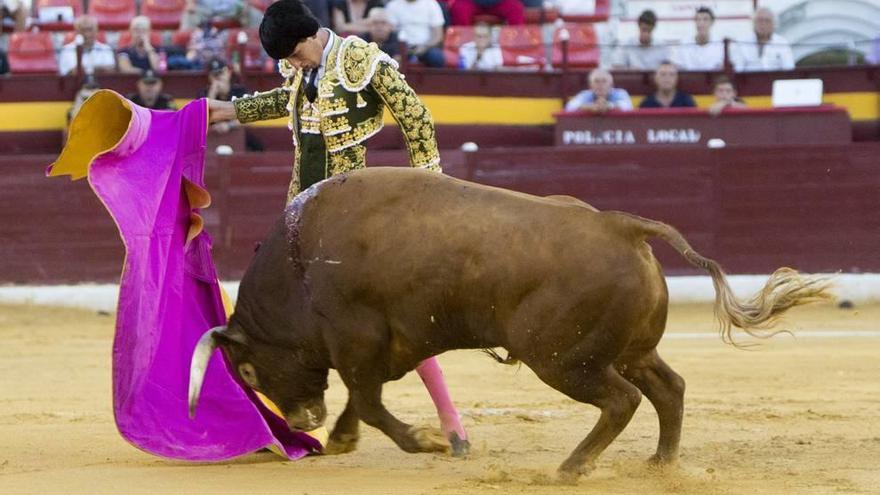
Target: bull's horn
x,y
198,366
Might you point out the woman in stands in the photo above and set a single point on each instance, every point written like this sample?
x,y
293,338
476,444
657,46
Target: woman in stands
x,y
140,56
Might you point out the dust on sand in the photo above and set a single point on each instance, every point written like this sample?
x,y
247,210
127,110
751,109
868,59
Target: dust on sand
x,y
796,415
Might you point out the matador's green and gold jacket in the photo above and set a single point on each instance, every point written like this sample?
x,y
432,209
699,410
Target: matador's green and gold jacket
x,y
359,81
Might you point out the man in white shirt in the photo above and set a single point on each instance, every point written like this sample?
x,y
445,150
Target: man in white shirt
x,y
705,53
420,24
96,57
764,49
641,53
601,97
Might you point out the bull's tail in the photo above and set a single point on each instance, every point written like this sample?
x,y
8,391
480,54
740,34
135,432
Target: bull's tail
x,y
785,289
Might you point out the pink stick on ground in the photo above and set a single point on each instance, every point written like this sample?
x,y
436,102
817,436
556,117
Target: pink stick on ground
x,y
432,376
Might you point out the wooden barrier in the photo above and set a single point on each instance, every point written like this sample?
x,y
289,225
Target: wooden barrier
x,y
825,124
753,208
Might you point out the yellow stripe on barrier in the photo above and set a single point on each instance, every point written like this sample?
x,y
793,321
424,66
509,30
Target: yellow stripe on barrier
x,y
460,110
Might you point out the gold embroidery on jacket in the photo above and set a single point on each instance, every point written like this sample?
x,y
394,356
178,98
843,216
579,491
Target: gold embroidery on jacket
x,y
351,158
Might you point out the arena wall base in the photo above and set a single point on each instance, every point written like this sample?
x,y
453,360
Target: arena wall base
x,y
857,288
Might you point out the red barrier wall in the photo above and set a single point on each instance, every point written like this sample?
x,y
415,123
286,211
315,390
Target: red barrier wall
x,y
816,208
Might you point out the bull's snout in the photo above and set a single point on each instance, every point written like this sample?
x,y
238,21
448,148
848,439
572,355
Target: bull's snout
x,y
307,416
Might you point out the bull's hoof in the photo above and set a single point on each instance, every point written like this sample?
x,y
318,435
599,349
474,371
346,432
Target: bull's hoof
x,y
429,439
342,444
661,460
569,475
460,447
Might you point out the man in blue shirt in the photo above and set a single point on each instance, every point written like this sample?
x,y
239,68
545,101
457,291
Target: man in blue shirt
x,y
602,95
667,94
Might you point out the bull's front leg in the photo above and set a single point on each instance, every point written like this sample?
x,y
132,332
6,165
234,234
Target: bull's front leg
x,y
367,400
345,436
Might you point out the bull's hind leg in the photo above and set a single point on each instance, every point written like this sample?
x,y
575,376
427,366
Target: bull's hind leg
x,y
617,399
665,389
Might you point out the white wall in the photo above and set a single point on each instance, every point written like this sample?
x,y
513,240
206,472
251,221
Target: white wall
x,y
858,288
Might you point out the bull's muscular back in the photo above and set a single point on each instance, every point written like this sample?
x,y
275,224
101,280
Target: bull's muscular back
x,y
430,251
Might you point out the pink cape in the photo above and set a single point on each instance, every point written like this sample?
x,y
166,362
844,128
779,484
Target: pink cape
x,y
147,168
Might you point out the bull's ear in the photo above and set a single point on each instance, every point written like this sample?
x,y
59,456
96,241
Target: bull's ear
x,y
231,334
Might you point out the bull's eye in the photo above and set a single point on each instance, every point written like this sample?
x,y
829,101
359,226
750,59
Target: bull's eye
x,y
248,374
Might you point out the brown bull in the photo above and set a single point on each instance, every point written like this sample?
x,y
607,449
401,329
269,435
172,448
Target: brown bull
x,y
374,271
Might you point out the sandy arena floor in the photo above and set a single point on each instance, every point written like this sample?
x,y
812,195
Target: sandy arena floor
x,y
797,415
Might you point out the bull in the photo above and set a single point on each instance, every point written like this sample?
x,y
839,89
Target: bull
x,y
374,271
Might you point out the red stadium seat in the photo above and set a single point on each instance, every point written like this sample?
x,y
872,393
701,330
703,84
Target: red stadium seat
x,y
522,46
76,5
222,24
455,37
125,39
113,14
181,38
32,53
71,35
253,51
164,14
583,48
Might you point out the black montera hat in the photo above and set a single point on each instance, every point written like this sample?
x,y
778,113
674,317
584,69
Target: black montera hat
x,y
285,24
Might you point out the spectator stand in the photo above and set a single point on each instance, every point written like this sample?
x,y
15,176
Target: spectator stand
x,y
675,21
164,14
601,13
32,52
57,15
526,46
113,15
245,52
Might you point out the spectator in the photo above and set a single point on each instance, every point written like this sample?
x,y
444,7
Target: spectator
x,y
221,87
199,12
602,95
4,63
463,11
763,49
725,96
321,10
90,86
667,94
420,24
140,56
350,16
96,56
149,93
481,53
705,53
205,44
641,53
382,33
17,10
